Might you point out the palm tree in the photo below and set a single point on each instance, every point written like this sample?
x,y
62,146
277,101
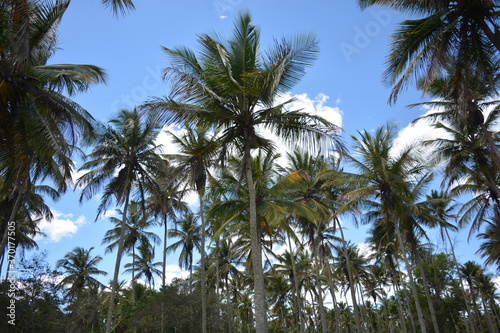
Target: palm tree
x,y
453,38
310,191
229,86
80,267
189,240
29,213
165,202
135,235
389,186
295,266
124,160
349,266
39,125
197,149
471,271
142,263
490,249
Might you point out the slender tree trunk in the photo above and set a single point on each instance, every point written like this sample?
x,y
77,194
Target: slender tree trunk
x,y
462,287
203,266
165,239
364,313
351,281
164,270
427,293
258,273
489,321
134,328
296,288
476,307
319,297
334,299
217,284
114,283
412,281
398,302
229,308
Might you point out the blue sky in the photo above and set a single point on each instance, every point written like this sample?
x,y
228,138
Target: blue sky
x,y
345,81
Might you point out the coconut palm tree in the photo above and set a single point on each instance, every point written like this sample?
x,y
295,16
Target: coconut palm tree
x,y
79,267
142,263
165,201
188,232
309,190
30,212
490,248
453,37
471,271
135,235
39,125
197,149
295,264
389,187
232,87
124,162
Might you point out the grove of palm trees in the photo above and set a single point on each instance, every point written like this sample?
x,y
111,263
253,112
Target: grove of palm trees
x,y
264,247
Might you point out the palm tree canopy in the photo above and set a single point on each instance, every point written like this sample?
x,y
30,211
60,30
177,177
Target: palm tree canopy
x,y
135,233
230,84
454,37
125,158
80,268
39,125
119,6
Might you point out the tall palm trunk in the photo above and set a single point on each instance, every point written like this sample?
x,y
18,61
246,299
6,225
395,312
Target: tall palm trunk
x,y
295,288
462,287
134,328
427,293
319,296
412,281
474,302
229,307
489,321
165,239
203,266
114,283
334,298
351,280
255,242
164,269
395,285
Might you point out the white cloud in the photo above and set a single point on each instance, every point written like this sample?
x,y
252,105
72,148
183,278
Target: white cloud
x,y
417,133
365,250
496,281
315,106
165,139
109,213
62,225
